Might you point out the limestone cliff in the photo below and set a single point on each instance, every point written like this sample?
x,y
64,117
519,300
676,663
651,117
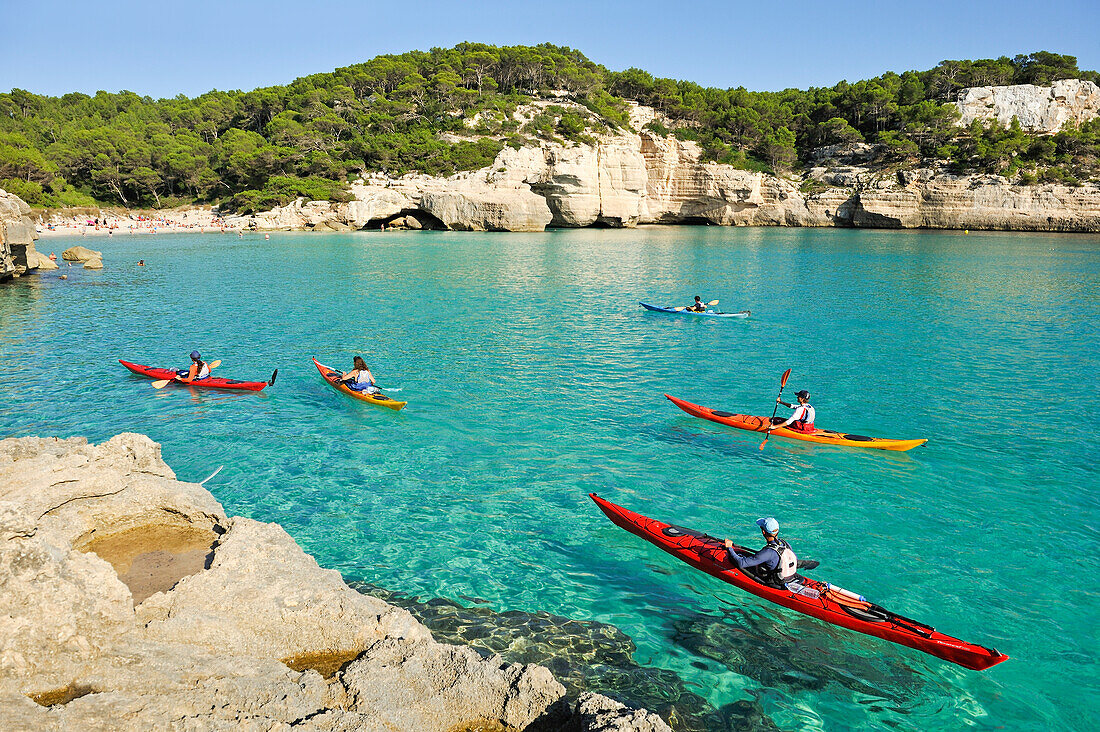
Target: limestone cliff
x,y
17,235
132,602
631,177
1043,109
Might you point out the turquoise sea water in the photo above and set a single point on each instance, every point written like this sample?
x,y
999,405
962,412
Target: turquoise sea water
x,y
534,378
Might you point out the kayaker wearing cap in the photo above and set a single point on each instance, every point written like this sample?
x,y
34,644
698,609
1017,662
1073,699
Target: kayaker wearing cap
x,y
802,420
776,563
360,377
698,306
199,369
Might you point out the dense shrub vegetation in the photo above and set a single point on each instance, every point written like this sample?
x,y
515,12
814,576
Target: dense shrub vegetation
x,y
446,110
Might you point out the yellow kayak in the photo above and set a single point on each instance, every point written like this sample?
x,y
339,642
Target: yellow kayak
x,y
331,376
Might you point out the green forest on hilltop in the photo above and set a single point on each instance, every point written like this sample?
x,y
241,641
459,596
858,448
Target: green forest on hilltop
x,y
447,110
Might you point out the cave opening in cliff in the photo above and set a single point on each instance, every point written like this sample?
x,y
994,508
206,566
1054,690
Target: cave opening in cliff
x,y
695,221
410,218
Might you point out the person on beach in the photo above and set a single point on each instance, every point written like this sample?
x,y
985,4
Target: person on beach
x,y
775,564
199,369
698,306
360,377
802,419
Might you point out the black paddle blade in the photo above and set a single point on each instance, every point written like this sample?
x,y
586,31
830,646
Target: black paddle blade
x,y
273,375
808,564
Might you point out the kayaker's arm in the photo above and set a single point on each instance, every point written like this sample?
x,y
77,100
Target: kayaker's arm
x,y
192,372
765,555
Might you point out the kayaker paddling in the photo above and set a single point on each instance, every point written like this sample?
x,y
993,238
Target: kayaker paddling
x,y
802,419
775,564
199,369
698,306
360,377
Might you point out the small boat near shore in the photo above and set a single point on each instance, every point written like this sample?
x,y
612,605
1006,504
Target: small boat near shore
x,y
684,311
811,597
826,437
210,382
331,375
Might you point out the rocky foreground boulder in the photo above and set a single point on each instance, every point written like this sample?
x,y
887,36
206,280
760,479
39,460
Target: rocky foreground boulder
x,y
132,602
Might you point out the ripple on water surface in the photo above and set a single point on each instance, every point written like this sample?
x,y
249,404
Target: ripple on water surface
x,y
533,378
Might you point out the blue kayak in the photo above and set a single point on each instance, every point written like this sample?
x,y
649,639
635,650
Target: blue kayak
x,y
707,314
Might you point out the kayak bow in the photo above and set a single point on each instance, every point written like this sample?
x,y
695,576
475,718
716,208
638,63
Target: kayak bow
x,y
825,437
331,376
707,314
810,597
210,382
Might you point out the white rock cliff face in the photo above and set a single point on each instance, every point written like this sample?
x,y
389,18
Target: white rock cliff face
x,y
132,602
17,235
1043,109
634,177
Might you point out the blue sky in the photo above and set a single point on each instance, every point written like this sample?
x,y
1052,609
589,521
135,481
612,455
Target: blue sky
x,y
164,49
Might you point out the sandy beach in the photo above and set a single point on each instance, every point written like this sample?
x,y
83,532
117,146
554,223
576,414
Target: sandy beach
x,y
111,223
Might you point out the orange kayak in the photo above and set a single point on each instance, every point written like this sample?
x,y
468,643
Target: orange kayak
x,y
825,437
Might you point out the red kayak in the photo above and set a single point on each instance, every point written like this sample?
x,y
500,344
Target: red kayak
x,y
210,382
811,597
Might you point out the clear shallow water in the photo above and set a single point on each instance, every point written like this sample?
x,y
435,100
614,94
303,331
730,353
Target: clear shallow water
x,y
534,378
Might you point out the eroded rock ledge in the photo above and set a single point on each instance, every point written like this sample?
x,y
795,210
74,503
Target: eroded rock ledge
x,y
132,602
17,235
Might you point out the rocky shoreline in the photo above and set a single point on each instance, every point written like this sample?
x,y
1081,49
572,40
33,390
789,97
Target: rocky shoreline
x,y
135,602
634,176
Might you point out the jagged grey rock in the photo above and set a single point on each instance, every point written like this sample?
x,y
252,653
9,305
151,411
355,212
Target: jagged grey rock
x,y
597,713
430,686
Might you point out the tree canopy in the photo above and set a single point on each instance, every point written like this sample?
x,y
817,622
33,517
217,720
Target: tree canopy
x,y
446,110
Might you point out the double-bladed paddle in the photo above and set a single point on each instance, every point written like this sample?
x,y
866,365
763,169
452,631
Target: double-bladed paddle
x,y
712,303
782,383
161,383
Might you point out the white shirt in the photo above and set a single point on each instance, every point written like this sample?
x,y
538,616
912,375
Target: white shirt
x,y
809,411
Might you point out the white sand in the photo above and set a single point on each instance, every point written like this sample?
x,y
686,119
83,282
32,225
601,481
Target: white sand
x,y
172,221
